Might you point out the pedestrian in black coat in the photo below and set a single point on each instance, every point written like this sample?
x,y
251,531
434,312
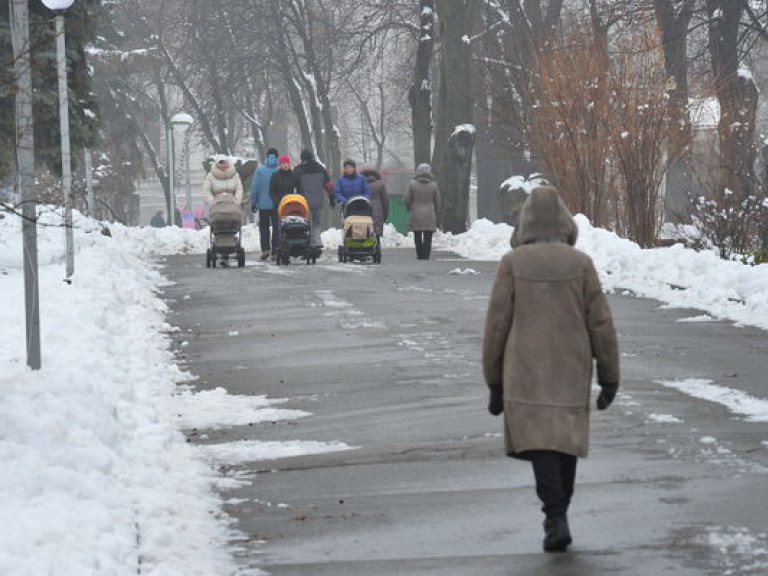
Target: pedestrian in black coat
x,y
283,182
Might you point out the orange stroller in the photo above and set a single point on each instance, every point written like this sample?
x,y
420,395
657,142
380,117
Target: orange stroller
x,y
295,230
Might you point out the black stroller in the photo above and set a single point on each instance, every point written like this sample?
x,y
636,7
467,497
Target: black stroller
x,y
226,220
295,230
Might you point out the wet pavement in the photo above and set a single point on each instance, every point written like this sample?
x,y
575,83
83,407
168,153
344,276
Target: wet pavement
x,y
386,359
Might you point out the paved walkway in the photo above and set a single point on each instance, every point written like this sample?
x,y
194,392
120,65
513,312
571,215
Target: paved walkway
x,y
386,358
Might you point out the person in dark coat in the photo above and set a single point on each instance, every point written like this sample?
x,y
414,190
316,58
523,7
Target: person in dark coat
x,y
262,202
423,203
379,200
314,183
157,220
548,321
281,183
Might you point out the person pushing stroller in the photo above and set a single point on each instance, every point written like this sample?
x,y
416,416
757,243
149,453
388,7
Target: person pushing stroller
x,y
223,191
350,184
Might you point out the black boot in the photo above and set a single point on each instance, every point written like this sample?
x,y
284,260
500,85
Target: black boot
x,y
557,536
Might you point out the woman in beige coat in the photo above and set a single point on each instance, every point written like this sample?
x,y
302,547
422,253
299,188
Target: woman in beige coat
x,y
423,203
222,182
548,318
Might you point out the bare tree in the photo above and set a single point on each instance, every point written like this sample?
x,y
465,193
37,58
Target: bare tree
x,y
420,93
673,19
638,127
737,95
568,127
454,141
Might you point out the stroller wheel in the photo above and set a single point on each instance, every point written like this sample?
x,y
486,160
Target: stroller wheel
x,y
240,257
208,258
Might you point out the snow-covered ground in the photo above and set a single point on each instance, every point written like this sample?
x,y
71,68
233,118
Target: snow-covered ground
x,y
97,477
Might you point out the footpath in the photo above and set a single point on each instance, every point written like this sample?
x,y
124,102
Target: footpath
x,y
386,360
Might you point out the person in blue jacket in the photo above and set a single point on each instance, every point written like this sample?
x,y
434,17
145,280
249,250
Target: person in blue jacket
x,y
261,201
350,184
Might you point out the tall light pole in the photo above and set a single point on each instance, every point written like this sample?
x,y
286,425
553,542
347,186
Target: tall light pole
x,y
171,169
25,149
183,121
59,6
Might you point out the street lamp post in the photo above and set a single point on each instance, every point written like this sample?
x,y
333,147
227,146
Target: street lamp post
x,y
183,121
25,149
59,6
171,184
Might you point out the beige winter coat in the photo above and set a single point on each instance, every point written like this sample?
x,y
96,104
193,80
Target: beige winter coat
x,y
547,319
423,202
219,181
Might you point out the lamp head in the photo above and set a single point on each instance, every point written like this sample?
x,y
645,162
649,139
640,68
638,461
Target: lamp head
x,y
181,119
58,4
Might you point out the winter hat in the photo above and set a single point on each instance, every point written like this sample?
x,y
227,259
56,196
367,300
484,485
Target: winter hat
x,y
349,162
306,155
272,151
423,168
284,158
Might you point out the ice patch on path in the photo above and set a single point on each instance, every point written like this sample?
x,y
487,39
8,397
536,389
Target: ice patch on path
x,y
701,318
740,551
217,409
664,419
233,453
464,272
738,402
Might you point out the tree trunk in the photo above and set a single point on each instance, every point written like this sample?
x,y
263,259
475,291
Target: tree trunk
x,y
281,54
420,93
674,31
453,142
737,96
457,171
503,110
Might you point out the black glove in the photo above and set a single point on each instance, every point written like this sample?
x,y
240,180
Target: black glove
x,y
496,399
606,396
333,201
254,209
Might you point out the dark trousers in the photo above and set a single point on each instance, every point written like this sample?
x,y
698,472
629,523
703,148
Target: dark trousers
x,y
555,474
423,241
268,218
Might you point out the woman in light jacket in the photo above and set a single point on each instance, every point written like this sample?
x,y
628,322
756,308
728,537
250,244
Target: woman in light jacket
x,y
222,182
547,320
423,203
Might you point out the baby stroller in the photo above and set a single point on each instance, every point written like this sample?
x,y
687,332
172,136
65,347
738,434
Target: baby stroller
x,y
225,219
295,230
360,240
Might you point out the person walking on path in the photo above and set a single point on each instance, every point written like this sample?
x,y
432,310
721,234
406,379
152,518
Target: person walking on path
x,y
379,200
422,200
262,201
350,184
547,319
222,182
313,182
282,183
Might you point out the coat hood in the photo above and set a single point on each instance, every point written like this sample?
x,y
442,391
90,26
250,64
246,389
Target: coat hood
x,y
223,174
371,175
544,218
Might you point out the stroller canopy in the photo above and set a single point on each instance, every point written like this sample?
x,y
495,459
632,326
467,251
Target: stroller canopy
x,y
293,205
358,206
